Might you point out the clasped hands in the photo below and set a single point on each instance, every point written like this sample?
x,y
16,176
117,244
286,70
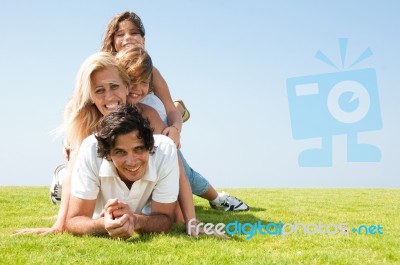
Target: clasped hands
x,y
119,220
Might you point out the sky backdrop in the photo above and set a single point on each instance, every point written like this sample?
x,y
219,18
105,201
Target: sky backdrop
x,y
228,60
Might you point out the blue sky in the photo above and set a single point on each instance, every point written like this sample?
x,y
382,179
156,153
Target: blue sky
x,y
228,60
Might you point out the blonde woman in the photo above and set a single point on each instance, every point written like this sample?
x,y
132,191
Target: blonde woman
x,y
101,86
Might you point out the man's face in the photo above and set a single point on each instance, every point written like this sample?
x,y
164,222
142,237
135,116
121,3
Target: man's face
x,y
127,36
130,157
108,90
137,92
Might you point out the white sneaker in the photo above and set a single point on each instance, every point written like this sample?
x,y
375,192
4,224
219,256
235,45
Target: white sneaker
x,y
229,203
55,188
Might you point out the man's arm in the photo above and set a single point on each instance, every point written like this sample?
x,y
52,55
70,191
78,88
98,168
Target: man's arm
x,y
160,220
79,218
118,220
80,222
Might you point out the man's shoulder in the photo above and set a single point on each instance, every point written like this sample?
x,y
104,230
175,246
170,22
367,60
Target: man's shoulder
x,y
89,145
163,146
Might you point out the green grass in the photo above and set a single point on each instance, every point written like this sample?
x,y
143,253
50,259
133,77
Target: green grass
x,y
30,207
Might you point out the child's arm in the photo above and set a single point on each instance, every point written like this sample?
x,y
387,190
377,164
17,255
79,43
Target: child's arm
x,y
154,118
174,117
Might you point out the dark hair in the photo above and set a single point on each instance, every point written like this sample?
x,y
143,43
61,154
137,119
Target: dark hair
x,y
108,44
123,120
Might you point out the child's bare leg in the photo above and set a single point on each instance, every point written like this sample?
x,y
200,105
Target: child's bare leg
x,y
182,109
179,107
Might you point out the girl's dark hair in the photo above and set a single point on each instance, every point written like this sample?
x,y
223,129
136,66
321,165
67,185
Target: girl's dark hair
x,y
123,120
108,44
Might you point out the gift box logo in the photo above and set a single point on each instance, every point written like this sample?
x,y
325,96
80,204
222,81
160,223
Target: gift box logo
x,y
343,102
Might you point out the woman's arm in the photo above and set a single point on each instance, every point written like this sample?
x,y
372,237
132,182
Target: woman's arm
x,y
59,225
185,197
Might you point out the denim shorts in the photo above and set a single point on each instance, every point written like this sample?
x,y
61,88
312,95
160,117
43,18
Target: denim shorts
x,y
198,183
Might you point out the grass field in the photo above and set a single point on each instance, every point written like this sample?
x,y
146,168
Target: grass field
x,y
30,207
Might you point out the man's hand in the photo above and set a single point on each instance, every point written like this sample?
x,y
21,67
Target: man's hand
x,y
118,219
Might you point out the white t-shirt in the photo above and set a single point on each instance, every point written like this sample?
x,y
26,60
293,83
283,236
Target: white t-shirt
x,y
95,178
153,101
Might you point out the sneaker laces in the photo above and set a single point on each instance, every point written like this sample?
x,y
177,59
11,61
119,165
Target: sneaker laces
x,y
57,191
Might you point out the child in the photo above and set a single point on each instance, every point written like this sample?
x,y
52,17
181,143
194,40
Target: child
x,y
138,64
125,30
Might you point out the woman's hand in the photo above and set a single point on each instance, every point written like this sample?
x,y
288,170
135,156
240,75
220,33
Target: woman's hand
x,y
37,231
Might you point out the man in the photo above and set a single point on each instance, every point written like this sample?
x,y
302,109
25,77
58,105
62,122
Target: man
x,y
124,180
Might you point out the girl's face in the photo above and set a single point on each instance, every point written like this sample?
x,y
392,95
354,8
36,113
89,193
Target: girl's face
x,y
127,35
137,92
108,90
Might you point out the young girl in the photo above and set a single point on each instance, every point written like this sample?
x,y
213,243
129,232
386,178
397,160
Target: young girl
x,y
136,61
125,30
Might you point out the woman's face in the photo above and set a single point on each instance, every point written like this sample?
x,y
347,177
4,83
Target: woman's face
x,y
108,90
127,35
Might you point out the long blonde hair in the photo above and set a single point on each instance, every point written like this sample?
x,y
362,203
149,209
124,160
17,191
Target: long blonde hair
x,y
81,114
